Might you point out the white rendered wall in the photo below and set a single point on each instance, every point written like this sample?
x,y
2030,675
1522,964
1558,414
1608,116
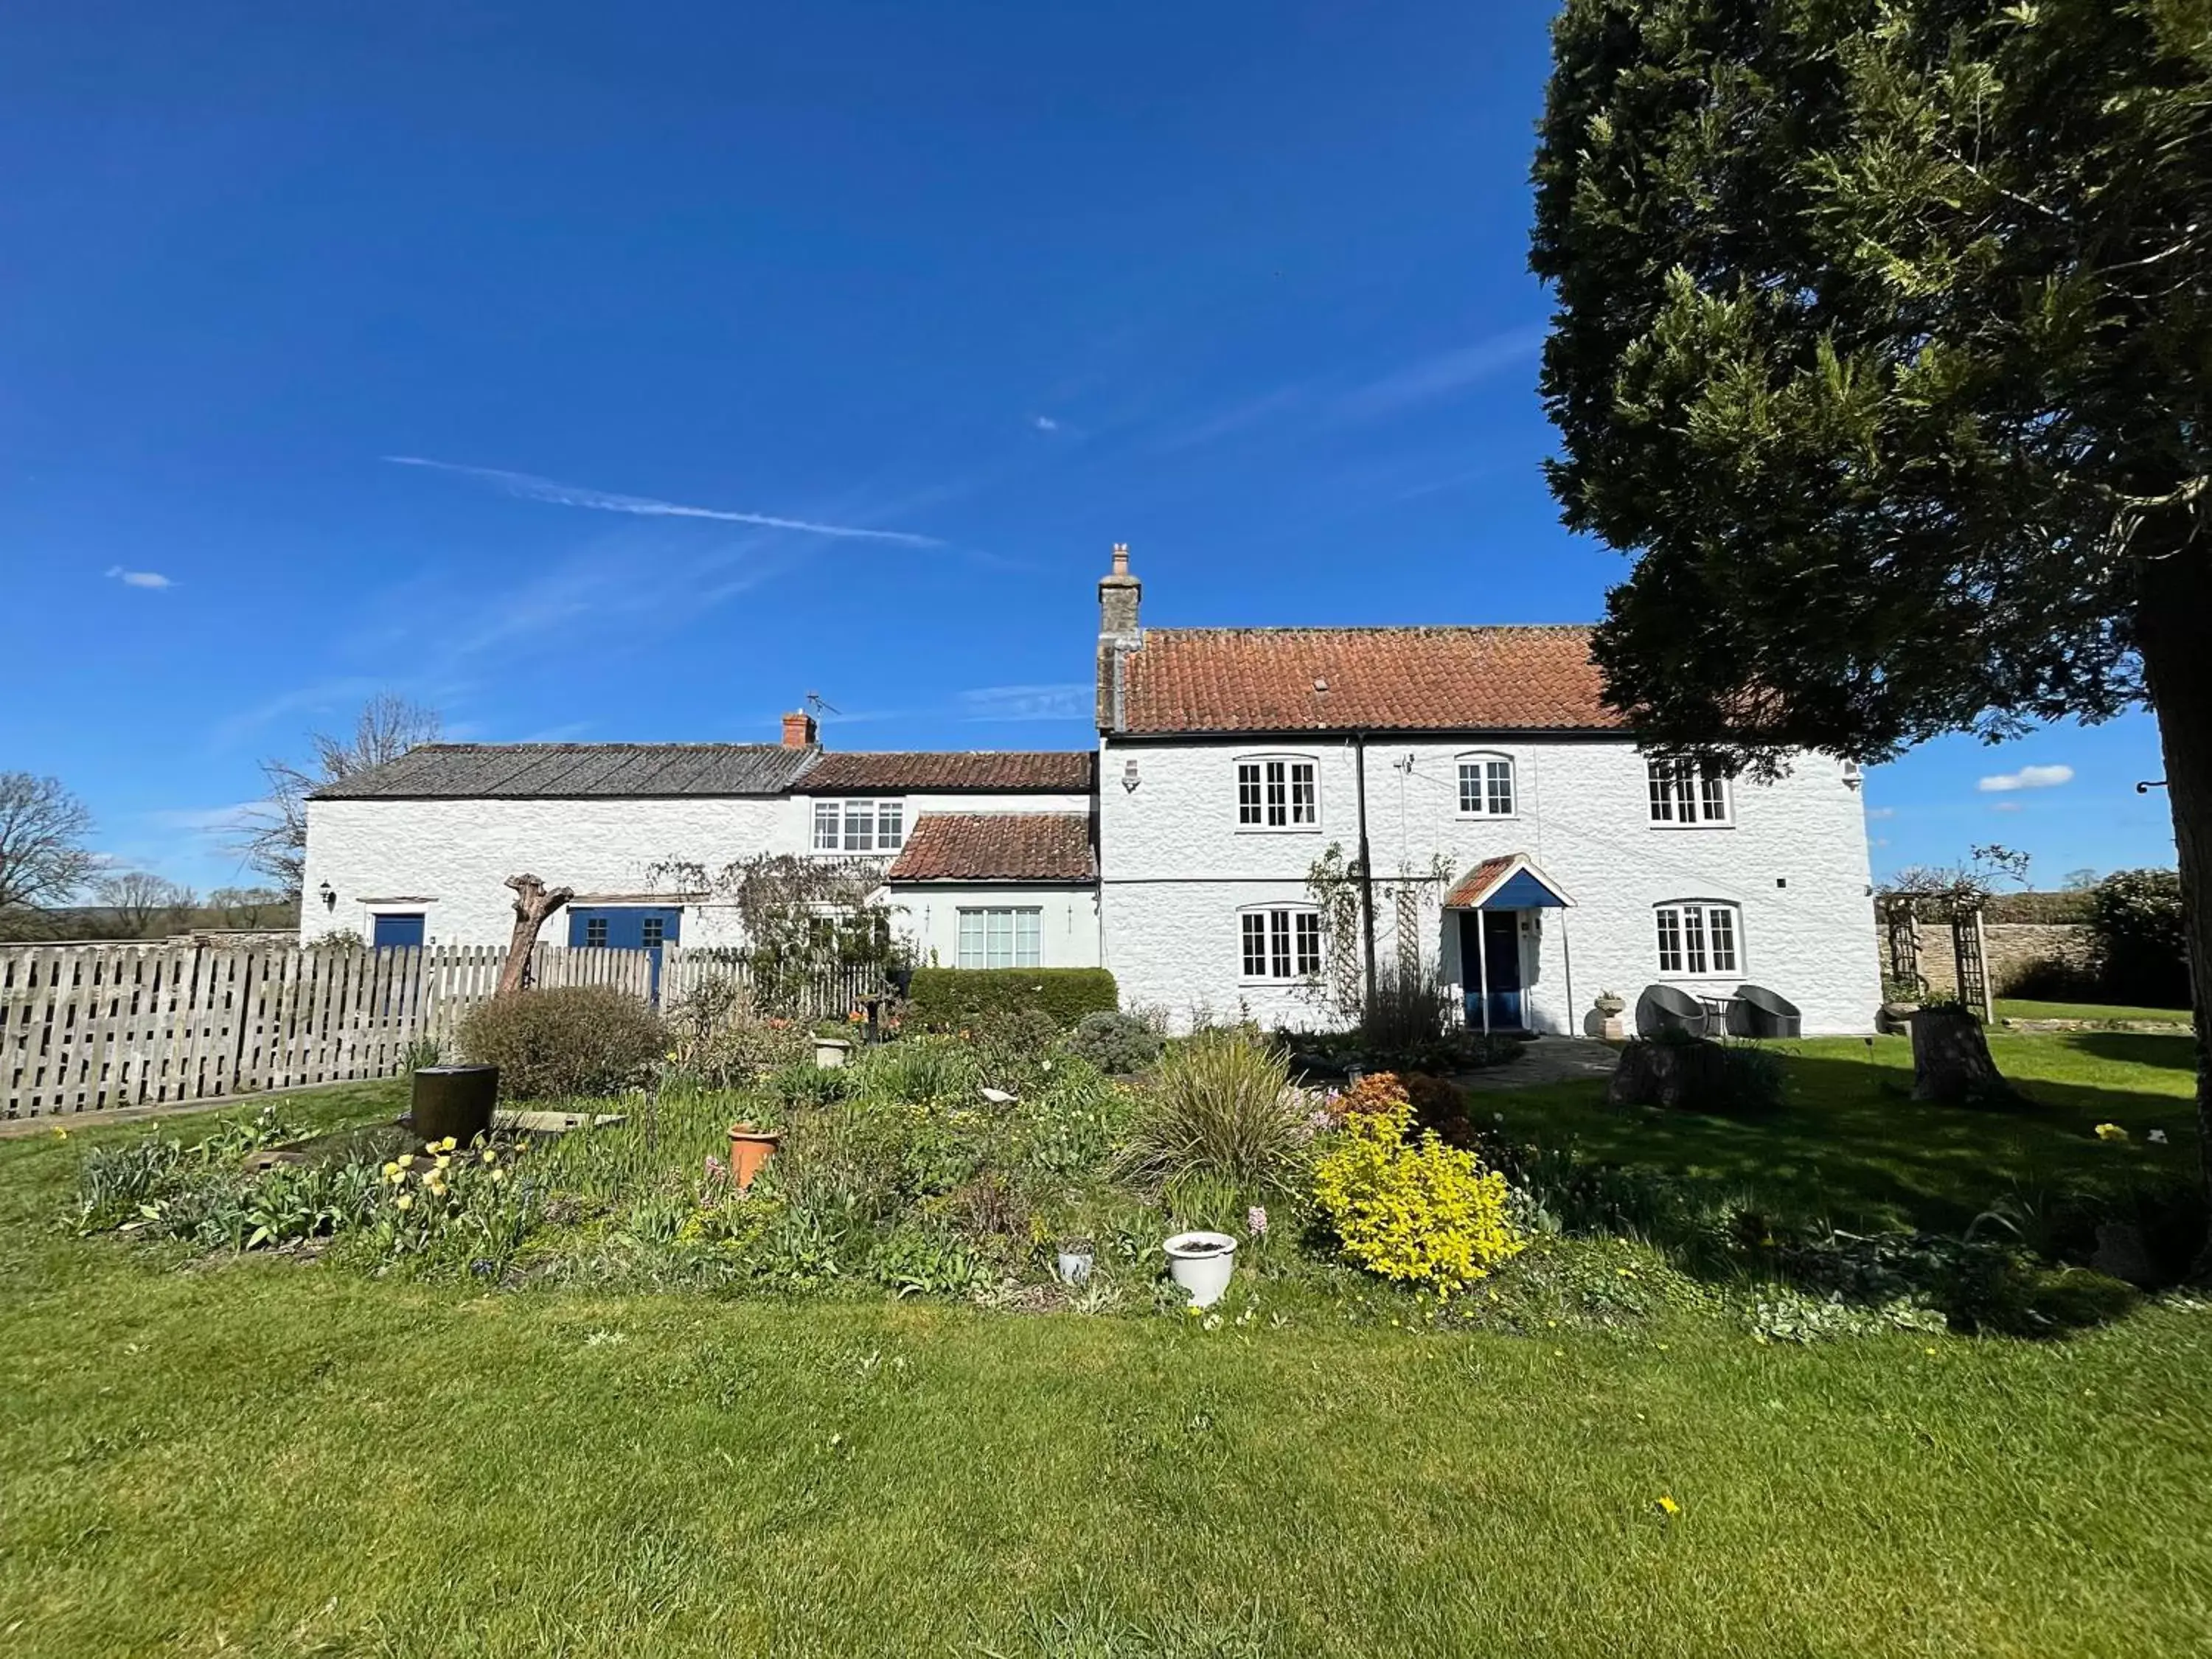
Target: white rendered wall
x,y
1176,869
454,856
928,914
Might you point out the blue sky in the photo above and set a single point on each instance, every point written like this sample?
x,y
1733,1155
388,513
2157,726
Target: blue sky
x,y
599,373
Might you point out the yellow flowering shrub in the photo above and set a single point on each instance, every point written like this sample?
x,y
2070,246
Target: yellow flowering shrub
x,y
1415,1209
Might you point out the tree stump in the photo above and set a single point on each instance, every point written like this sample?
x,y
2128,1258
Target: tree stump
x,y
533,903
1672,1074
1951,1058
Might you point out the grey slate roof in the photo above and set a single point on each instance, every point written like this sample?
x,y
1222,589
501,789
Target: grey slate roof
x,y
568,770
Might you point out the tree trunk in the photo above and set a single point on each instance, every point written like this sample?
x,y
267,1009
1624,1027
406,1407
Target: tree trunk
x,y
533,903
2170,632
1951,1057
1670,1075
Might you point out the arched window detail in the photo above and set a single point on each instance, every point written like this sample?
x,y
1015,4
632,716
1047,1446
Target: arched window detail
x,y
1278,791
1487,788
1698,938
1280,942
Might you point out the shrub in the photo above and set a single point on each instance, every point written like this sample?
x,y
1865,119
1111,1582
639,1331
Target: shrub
x,y
1409,1011
719,1039
2141,955
1222,1105
1419,1212
949,997
565,1040
1115,1043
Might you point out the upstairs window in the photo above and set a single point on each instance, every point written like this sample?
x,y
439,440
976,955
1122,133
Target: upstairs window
x,y
1281,943
1486,787
1698,939
860,826
1277,794
1687,789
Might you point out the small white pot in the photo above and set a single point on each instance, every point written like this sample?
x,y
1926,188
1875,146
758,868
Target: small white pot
x,y
830,1052
1201,1263
1075,1267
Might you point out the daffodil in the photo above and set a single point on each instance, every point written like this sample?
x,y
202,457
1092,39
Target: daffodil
x,y
2111,1131
405,1160
405,1202
489,1156
498,1175
1668,1507
445,1160
446,1144
391,1170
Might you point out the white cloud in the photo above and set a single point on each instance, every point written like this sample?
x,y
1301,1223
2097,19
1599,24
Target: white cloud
x,y
1442,375
139,578
532,488
1044,423
1067,702
2028,777
1881,811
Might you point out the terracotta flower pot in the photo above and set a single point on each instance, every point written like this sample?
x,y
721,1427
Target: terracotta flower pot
x,y
750,1151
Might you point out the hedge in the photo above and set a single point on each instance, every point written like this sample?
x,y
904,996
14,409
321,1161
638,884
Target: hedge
x,y
945,996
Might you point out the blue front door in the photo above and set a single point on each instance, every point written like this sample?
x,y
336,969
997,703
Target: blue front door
x,y
396,931
1497,934
627,927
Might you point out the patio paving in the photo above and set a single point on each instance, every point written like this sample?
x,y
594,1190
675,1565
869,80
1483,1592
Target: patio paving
x,y
1548,1060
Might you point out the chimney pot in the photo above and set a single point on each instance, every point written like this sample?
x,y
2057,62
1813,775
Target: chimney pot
x,y
1119,593
798,731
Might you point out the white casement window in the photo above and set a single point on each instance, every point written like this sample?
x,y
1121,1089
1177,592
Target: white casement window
x,y
1277,794
1001,939
860,826
1698,939
1281,943
1687,789
1486,787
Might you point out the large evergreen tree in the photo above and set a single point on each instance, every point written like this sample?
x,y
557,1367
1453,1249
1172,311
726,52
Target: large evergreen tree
x,y
1884,343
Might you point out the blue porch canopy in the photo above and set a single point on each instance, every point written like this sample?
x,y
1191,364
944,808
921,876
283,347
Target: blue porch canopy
x,y
1510,883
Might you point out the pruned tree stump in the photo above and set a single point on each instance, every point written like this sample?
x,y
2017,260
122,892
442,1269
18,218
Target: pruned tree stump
x,y
1670,1075
533,903
1951,1058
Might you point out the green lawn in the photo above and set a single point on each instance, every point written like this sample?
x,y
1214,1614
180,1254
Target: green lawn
x,y
1850,1143
266,1457
2012,1008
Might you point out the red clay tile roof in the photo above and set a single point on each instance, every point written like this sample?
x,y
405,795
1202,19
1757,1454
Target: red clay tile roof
x,y
1065,772
1478,881
1378,679
997,847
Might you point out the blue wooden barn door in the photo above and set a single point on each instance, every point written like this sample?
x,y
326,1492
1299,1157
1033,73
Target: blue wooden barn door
x,y
396,931
627,927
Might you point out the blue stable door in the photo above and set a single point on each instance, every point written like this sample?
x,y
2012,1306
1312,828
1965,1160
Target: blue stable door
x,y
1497,934
627,927
397,931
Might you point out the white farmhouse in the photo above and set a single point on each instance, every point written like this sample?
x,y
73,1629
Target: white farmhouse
x,y
1522,851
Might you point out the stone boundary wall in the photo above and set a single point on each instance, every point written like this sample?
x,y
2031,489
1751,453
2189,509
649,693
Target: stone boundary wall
x,y
2012,948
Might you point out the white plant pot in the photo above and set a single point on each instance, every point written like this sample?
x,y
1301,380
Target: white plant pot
x,y
830,1052
1201,1262
1075,1267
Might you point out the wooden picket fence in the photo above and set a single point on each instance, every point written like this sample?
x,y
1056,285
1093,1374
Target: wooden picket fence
x,y
89,1028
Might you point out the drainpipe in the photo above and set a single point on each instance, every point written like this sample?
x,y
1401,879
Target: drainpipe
x,y
1366,863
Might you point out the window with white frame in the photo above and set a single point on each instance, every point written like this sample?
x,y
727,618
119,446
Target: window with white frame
x,y
1281,943
860,826
1698,938
1001,938
1687,789
1277,793
1486,787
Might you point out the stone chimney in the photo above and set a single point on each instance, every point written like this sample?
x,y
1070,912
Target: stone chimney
x,y
1118,593
1118,634
799,731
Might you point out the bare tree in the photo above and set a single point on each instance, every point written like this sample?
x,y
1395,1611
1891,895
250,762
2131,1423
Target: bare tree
x,y
533,903
274,834
43,859
252,907
138,897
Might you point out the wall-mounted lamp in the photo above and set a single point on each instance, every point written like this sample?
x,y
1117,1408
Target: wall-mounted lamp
x,y
1129,776
1853,776
329,896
